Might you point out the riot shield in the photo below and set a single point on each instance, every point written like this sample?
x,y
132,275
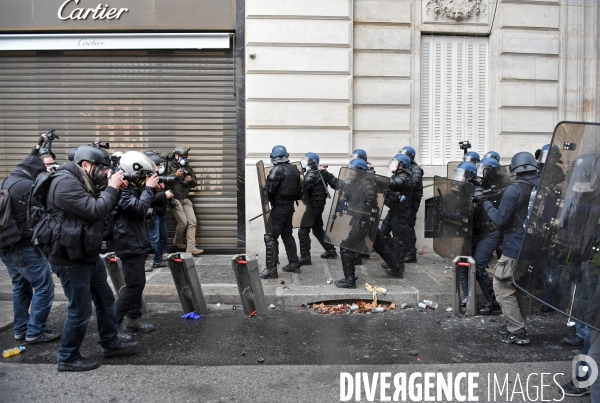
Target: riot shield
x,y
451,167
559,261
453,217
496,176
264,196
356,209
302,211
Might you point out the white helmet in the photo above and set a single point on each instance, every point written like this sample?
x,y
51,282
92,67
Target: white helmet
x,y
136,162
117,154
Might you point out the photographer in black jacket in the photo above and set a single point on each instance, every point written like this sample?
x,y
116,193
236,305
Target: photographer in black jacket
x,y
28,268
130,236
78,201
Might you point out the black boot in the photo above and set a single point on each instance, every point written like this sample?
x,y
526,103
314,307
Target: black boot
x,y
486,284
464,284
330,252
304,238
292,267
349,280
271,258
397,268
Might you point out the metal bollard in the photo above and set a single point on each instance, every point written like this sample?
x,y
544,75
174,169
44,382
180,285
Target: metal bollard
x,y
183,270
115,271
249,284
457,264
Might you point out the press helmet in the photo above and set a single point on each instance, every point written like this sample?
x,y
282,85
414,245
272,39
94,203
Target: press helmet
x,y
409,152
523,162
96,156
465,172
137,162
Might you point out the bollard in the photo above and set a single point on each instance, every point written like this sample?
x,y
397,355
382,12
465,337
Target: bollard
x,y
115,271
457,264
183,270
249,284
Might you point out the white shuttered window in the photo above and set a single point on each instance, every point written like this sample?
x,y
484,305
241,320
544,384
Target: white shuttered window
x,y
454,72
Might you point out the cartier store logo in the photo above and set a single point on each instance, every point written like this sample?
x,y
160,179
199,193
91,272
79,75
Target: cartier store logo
x,y
101,12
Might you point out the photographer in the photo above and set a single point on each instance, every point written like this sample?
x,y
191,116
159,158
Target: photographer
x,y
157,229
184,212
27,266
130,237
78,200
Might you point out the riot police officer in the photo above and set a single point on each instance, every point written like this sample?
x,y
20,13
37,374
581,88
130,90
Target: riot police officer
x,y
510,217
484,239
349,256
317,193
399,200
284,188
362,154
416,197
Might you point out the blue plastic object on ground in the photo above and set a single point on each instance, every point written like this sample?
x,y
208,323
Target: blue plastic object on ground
x,y
191,315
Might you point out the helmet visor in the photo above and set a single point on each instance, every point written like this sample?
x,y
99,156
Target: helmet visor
x,y
393,165
461,175
304,162
355,156
543,156
480,168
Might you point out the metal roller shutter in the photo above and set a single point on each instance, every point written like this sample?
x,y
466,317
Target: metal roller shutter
x,y
134,100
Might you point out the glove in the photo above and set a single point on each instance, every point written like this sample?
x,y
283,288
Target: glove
x,y
41,141
478,201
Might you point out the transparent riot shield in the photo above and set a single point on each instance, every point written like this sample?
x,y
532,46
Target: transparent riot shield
x,y
559,261
264,196
496,176
302,211
453,217
356,209
451,167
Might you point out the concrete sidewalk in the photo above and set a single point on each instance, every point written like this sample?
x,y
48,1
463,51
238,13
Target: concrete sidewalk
x,y
430,278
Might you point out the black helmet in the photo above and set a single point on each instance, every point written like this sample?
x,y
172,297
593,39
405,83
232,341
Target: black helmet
x,y
523,162
95,155
99,157
156,158
71,154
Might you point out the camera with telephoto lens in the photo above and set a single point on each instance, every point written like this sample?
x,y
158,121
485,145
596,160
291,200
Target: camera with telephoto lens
x,y
131,176
464,145
51,135
101,144
167,180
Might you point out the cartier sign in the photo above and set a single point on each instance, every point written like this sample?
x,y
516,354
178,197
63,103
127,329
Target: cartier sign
x,y
100,12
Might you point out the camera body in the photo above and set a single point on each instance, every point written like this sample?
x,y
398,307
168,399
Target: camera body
x,y
53,168
51,135
464,145
101,144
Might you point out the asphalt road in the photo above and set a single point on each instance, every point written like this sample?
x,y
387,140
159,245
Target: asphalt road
x,y
290,355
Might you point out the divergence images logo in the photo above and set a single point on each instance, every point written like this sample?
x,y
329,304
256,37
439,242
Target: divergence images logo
x,y
580,371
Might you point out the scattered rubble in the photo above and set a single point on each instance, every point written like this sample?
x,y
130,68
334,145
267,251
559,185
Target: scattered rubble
x,y
357,307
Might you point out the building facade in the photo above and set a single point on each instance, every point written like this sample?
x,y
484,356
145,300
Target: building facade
x,y
233,78
332,76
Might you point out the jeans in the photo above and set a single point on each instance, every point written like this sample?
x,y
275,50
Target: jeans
x,y
130,300
594,352
82,284
32,285
157,233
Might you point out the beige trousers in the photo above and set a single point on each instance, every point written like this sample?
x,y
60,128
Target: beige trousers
x,y
514,303
186,219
